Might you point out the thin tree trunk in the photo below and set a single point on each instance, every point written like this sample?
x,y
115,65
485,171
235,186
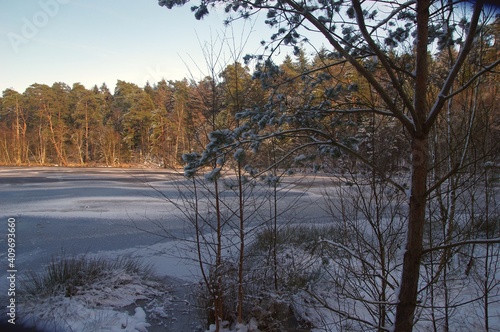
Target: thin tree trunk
x,y
42,149
407,304
18,145
405,310
86,133
219,293
486,288
242,245
274,217
58,148
7,151
180,116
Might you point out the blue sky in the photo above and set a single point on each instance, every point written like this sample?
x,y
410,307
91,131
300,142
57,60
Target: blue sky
x,y
95,42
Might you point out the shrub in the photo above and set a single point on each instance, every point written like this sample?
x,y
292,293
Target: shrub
x,y
68,273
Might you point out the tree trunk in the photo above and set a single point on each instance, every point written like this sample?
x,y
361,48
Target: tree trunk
x,y
86,133
18,145
242,245
57,143
405,310
219,287
411,264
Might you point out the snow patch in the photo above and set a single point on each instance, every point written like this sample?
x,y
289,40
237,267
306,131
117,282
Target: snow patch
x,y
96,307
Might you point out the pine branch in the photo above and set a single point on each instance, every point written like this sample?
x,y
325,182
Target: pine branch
x,y
358,66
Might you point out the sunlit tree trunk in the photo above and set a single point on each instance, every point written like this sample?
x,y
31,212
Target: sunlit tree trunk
x,y
87,138
57,142
18,143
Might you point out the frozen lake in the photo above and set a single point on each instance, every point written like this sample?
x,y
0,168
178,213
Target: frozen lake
x,y
112,212
96,210
82,210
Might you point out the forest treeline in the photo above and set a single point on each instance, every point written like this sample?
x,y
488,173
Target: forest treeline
x,y
73,125
158,123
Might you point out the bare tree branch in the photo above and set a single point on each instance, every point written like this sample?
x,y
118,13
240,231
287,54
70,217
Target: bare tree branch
x,y
463,243
485,70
